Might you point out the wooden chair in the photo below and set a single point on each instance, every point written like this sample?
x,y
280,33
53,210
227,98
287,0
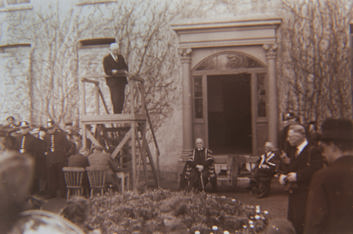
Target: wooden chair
x,y
124,177
96,178
73,179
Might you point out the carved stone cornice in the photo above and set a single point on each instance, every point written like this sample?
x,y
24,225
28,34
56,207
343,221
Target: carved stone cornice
x,y
271,50
185,54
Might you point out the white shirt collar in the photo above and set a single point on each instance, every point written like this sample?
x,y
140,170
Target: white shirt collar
x,y
301,146
115,57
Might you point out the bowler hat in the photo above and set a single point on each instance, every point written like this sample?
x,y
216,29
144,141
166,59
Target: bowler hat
x,y
289,115
50,123
336,130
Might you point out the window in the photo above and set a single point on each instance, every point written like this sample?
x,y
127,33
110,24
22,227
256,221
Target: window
x,y
97,41
88,2
15,4
198,100
261,95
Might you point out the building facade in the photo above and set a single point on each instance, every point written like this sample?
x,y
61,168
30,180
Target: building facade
x,y
228,88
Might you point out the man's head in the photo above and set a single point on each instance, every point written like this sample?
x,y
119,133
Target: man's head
x,y
10,119
24,127
98,148
268,146
289,118
50,126
69,127
114,48
336,138
296,134
199,143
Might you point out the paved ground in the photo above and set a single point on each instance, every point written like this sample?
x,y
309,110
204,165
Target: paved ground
x,y
276,202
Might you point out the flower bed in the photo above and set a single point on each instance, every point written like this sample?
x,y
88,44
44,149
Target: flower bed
x,y
163,211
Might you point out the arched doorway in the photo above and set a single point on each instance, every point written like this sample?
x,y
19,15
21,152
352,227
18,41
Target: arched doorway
x,y
230,103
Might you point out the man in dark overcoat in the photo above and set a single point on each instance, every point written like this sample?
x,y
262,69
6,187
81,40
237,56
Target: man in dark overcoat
x,y
330,199
57,148
115,68
304,162
26,143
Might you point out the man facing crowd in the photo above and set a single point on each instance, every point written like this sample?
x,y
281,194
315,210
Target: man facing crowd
x,y
304,161
115,68
330,199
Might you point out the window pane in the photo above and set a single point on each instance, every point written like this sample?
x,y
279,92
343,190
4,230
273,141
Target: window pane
x,y
198,103
198,109
198,86
261,95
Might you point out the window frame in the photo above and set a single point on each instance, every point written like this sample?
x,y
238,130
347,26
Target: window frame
x,y
16,6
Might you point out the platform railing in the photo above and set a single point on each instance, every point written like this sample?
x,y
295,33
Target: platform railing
x,y
134,103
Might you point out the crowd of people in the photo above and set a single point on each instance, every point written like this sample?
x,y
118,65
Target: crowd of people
x,y
52,149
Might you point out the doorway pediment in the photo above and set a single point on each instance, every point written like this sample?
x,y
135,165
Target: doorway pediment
x,y
221,33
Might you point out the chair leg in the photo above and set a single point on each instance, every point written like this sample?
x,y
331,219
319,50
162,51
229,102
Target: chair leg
x,y
68,194
123,183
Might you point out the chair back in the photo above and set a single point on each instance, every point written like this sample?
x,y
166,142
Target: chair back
x,y
96,176
73,176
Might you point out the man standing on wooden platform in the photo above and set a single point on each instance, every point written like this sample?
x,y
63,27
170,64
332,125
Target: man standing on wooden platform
x,y
115,68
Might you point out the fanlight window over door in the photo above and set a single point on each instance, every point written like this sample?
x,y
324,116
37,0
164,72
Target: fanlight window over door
x,y
228,61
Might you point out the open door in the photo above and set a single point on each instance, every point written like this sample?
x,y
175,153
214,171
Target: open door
x,y
229,113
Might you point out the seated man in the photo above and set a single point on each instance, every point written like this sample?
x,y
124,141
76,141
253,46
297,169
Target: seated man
x,y
79,160
266,167
199,169
99,158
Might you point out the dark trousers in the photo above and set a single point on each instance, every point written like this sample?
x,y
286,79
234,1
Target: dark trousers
x,y
55,178
296,209
117,93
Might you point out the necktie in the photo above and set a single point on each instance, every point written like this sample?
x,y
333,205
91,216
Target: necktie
x,y
22,149
297,152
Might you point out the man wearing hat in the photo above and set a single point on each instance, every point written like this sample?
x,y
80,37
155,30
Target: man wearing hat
x,y
330,199
56,150
29,144
115,68
11,122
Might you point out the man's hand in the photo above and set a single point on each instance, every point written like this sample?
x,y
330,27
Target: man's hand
x,y
284,158
282,179
114,71
292,177
199,167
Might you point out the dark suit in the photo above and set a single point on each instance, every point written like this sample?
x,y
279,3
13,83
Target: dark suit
x,y
34,147
57,147
330,199
305,165
116,83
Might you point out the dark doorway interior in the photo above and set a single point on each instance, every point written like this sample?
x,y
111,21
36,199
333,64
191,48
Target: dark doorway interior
x,y
229,113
